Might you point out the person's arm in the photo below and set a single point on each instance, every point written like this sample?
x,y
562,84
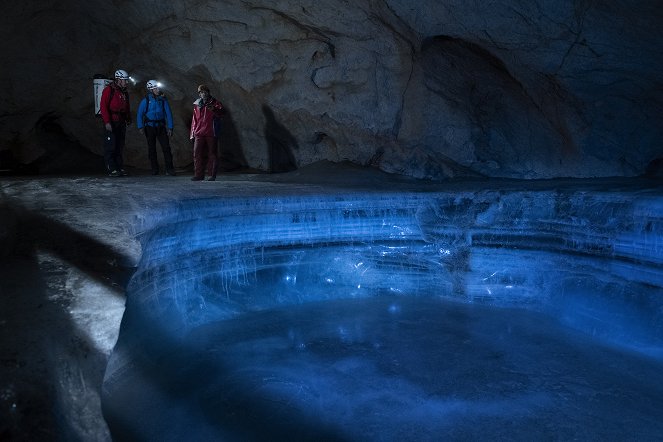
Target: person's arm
x,y
139,114
194,122
169,116
218,108
128,110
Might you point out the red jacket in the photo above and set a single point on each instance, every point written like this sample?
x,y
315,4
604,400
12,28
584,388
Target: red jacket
x,y
115,108
206,120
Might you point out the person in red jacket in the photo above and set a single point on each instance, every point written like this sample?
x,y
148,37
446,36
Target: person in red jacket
x,y
116,114
205,129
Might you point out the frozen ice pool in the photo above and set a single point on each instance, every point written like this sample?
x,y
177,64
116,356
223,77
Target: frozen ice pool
x,y
384,317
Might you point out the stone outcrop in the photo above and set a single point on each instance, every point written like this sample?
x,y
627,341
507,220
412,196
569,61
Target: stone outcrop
x,y
431,90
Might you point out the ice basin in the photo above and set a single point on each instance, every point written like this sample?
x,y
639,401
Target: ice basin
x,y
213,269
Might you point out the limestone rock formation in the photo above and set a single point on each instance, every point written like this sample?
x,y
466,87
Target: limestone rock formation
x,y
431,90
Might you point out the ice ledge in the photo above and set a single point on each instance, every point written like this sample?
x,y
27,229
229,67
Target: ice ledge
x,y
591,258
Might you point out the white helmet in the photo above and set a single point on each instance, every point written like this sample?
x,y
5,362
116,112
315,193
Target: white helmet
x,y
121,75
152,84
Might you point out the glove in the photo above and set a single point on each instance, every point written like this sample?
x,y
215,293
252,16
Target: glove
x,y
109,128
170,132
141,130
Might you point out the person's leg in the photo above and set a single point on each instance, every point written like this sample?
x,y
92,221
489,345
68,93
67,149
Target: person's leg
x,y
199,147
109,149
212,158
204,156
151,136
162,135
119,130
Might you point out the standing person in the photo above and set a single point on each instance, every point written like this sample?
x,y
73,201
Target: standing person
x,y
155,120
205,128
116,115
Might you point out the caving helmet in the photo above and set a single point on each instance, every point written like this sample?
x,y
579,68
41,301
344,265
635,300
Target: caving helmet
x,y
121,74
152,84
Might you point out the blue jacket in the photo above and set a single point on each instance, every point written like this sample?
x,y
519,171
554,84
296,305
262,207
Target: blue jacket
x,y
154,111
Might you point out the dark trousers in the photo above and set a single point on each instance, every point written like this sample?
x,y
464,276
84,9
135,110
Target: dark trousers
x,y
114,145
204,154
154,133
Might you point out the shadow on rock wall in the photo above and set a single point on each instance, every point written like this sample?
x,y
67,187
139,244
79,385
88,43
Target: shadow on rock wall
x,y
56,152
230,146
280,142
655,168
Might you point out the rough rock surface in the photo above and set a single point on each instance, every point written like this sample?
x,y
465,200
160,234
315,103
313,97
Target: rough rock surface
x,y
432,89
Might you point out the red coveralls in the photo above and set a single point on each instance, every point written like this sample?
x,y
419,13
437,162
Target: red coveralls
x,y
205,129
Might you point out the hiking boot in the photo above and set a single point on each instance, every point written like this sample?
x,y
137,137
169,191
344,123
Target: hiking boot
x,y
155,172
212,178
197,178
170,172
123,172
114,173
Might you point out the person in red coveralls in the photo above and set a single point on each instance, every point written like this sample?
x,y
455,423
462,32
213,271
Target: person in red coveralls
x,y
116,114
205,129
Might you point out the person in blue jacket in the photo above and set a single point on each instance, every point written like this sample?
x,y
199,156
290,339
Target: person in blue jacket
x,y
155,120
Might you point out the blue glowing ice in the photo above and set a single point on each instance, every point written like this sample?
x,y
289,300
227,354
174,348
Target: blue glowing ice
x,y
392,316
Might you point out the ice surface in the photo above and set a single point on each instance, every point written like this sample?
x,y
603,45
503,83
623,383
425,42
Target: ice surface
x,y
390,367
243,304
579,258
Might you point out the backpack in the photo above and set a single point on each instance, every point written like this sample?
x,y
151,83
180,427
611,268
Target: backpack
x,y
99,83
147,107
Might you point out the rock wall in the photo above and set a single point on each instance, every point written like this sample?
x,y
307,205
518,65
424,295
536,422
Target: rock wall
x,y
432,90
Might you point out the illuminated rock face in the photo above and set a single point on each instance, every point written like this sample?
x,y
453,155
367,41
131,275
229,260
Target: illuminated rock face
x,y
434,90
211,271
